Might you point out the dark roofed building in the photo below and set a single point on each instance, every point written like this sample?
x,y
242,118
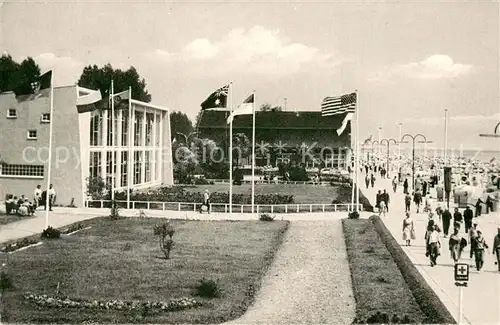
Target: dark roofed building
x,y
284,132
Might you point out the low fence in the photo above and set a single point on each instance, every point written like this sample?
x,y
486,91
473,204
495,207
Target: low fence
x,y
324,183
224,207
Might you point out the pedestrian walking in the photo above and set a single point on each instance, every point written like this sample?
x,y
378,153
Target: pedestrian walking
x,y
479,248
367,181
408,229
405,186
386,199
372,180
434,243
417,198
378,199
496,248
479,207
206,202
457,219
424,188
472,237
51,197
37,196
468,216
456,244
407,202
446,218
394,184
382,208
439,212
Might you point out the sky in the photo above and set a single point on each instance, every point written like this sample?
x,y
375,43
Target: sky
x,y
408,61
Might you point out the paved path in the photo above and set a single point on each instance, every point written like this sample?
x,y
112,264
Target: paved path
x,y
61,217
309,281
482,297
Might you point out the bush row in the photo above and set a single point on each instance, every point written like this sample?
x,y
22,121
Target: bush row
x,y
179,194
66,302
429,303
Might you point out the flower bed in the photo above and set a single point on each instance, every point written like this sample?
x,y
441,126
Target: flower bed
x,y
179,194
73,228
18,245
66,302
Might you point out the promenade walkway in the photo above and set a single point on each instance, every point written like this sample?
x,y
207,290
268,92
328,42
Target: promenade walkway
x,y
481,304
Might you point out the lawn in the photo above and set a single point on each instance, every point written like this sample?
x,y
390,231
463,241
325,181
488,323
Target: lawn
x,y
378,284
121,259
302,193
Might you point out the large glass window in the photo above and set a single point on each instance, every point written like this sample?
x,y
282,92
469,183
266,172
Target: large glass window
x,y
124,122
96,129
137,167
110,128
95,164
147,166
158,121
138,128
110,168
150,118
124,162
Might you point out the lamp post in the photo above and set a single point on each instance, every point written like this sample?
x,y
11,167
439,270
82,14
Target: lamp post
x,y
494,135
399,153
186,137
379,133
388,142
414,138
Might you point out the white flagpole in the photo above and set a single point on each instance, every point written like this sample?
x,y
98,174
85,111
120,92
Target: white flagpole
x,y
112,142
445,135
129,140
357,150
231,153
253,153
49,167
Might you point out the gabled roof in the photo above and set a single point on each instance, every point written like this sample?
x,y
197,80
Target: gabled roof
x,y
212,119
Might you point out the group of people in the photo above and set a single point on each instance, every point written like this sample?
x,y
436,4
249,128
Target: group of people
x,y
24,207
456,244
382,200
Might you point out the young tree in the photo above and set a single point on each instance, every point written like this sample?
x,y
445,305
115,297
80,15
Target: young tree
x,y
94,77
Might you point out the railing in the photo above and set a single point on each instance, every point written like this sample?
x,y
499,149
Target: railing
x,y
224,207
324,183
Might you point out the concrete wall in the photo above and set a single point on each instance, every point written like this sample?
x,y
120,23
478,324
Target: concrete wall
x,y
15,148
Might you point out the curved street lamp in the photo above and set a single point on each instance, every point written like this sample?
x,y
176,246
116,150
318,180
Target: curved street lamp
x,y
186,137
414,138
494,135
388,142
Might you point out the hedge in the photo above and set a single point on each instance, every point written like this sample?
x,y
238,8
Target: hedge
x,y
430,304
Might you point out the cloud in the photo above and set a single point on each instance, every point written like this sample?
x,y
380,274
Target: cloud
x,y
437,66
66,70
256,50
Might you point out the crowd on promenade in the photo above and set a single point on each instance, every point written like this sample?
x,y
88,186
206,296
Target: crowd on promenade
x,y
460,226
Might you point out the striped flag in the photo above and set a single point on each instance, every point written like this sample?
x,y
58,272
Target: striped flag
x,y
338,105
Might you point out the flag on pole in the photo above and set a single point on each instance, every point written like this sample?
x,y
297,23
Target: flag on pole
x,y
347,119
40,88
217,99
244,108
338,105
121,100
88,102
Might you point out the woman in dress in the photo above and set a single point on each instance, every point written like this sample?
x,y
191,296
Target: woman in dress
x,y
408,229
456,245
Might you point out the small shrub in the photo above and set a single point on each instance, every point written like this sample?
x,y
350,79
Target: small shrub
x,y
127,247
266,217
378,318
207,289
5,282
369,250
51,233
353,215
162,231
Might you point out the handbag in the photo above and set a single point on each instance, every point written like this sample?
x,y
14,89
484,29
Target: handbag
x,y
413,235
